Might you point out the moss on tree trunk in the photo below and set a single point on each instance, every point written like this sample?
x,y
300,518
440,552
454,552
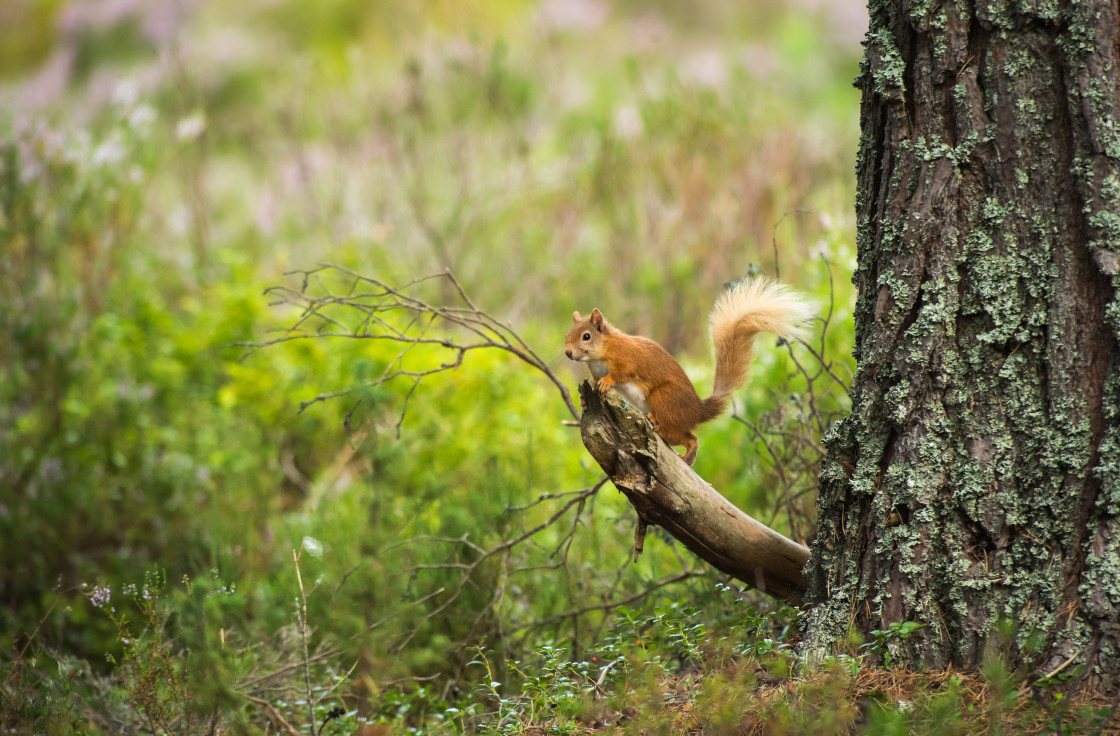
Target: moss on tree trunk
x,y
975,487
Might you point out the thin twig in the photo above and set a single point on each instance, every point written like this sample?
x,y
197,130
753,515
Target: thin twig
x,y
467,570
774,237
325,316
609,605
301,618
19,657
275,714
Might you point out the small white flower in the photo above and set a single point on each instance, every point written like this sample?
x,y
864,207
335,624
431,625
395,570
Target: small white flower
x,y
191,127
126,93
628,123
142,116
109,151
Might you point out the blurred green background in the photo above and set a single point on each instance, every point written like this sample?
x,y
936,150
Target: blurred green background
x,y
163,163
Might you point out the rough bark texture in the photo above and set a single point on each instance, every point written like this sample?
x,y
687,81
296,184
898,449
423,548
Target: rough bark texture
x,y
666,492
975,487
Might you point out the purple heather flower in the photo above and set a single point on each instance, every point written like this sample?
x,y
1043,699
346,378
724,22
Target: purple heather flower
x,y
100,596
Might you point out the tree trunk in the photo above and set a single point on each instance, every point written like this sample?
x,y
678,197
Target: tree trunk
x,y
975,488
666,492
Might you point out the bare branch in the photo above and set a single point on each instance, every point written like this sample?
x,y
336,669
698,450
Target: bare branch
x,y
611,605
467,570
374,310
774,237
276,715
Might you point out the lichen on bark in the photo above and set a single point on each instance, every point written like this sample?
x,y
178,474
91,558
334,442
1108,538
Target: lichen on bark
x,y
973,487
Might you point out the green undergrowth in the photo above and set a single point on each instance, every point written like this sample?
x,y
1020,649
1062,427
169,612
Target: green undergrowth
x,y
182,664
171,454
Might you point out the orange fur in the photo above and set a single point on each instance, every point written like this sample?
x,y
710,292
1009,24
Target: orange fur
x,y
651,379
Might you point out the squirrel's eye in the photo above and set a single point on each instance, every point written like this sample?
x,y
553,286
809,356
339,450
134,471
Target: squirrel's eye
x,y
587,336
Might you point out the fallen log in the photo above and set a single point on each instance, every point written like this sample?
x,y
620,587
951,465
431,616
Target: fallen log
x,y
667,492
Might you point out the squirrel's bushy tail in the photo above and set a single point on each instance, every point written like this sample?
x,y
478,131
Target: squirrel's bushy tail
x,y
751,306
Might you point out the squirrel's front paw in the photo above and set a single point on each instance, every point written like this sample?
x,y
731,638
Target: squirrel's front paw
x,y
653,422
604,384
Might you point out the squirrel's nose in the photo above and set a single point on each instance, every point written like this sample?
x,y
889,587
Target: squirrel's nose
x,y
568,352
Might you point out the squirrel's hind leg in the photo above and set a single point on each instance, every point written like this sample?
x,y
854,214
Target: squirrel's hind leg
x,y
690,448
675,438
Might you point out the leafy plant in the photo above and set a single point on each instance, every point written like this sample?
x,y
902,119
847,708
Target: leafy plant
x,y
145,209
882,639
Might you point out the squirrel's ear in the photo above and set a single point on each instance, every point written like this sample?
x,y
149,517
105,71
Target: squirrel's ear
x,y
597,319
576,317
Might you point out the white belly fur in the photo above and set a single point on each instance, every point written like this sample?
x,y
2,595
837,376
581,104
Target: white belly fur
x,y
629,391
634,395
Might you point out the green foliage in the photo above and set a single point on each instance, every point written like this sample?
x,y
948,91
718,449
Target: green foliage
x,y
463,573
27,32
882,639
170,689
146,208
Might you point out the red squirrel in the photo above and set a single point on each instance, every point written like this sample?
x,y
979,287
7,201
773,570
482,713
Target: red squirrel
x,y
650,379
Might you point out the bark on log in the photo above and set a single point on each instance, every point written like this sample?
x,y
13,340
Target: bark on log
x,y
666,492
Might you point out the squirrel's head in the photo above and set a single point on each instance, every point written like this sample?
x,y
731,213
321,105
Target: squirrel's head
x,y
585,340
